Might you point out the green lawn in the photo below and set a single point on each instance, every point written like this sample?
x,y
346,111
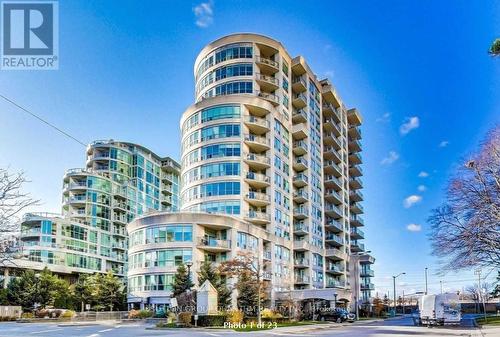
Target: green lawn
x,y
495,320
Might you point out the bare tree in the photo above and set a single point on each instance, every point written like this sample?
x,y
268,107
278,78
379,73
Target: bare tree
x,y
465,230
12,202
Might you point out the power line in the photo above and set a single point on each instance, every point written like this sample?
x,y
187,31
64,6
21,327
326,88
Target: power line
x,y
42,120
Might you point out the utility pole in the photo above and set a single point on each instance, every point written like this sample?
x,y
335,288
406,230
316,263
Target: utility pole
x,y
426,280
480,291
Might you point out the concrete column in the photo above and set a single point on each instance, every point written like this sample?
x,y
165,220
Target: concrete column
x,y
5,277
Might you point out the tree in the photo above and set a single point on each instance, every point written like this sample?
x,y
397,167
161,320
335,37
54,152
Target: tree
x,y
82,292
12,202
50,288
495,48
208,272
22,290
182,281
465,230
378,306
496,292
110,291
248,269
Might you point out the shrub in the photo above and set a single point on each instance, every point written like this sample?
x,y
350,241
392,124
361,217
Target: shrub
x,y
212,320
170,317
67,314
268,313
185,318
133,314
42,313
27,315
235,316
145,314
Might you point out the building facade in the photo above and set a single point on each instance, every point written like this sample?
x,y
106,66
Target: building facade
x,y
271,145
119,182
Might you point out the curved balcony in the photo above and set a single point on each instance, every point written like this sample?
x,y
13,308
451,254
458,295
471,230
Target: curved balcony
x,y
266,82
257,161
256,143
256,125
267,65
213,245
257,199
257,180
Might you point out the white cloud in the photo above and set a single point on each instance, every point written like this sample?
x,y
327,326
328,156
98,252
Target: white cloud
x,y
384,118
204,14
414,227
444,143
410,124
423,174
412,200
391,158
421,188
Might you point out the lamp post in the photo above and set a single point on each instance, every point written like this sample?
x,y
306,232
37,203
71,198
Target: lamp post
x,y
394,285
426,280
189,264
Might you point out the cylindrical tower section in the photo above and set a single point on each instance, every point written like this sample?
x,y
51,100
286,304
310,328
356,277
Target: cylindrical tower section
x,y
236,155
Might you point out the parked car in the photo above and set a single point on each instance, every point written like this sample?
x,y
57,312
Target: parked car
x,y
338,315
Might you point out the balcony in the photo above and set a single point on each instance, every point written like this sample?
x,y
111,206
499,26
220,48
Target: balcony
x,y
357,234
267,256
355,158
333,182
119,246
334,240
334,284
330,153
332,168
356,208
266,82
300,212
357,221
330,127
299,131
78,199
367,286
268,97
366,272
76,186
257,180
300,164
213,245
357,247
300,180
256,143
120,219
258,218
330,139
299,84
120,207
299,100
355,183
256,125
299,116
353,117
167,190
301,245
334,269
301,279
333,211
333,197
355,171
300,148
335,254
32,232
334,225
354,132
354,145
356,195
300,196
300,228
330,110
266,65
257,199
301,262
257,161
168,177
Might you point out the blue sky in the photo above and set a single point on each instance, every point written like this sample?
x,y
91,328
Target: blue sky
x,y
126,72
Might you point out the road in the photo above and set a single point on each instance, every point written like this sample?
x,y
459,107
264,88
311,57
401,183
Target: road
x,y
393,327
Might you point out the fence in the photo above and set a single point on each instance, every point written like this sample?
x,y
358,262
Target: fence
x,y
10,311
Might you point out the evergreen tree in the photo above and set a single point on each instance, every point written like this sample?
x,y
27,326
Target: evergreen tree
x,y
247,292
22,290
82,293
208,272
496,292
182,281
110,291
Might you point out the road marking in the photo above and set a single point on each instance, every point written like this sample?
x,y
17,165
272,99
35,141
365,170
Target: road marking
x,y
94,335
105,330
43,331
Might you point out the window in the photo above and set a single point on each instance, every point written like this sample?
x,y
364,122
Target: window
x,y
220,150
220,112
220,131
237,87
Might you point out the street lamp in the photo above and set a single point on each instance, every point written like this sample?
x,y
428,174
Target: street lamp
x,y
426,280
189,264
394,285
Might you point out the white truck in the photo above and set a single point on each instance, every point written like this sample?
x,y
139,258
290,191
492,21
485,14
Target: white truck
x,y
439,309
